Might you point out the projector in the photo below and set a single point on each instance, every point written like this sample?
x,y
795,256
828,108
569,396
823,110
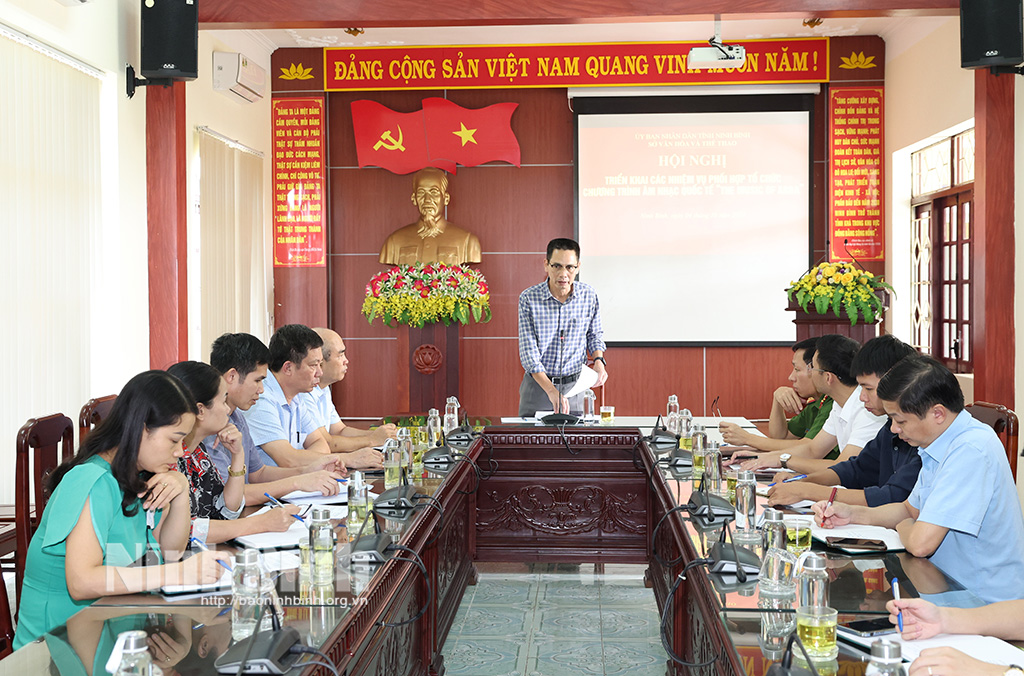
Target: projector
x,y
716,56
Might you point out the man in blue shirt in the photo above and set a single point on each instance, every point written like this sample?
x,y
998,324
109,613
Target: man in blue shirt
x,y
242,359
886,468
559,324
964,513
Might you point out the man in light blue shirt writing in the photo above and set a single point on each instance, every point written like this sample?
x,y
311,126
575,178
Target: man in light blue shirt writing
x,y
963,513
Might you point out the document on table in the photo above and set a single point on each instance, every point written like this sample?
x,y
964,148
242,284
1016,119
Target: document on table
x,y
985,648
272,562
889,536
316,497
288,539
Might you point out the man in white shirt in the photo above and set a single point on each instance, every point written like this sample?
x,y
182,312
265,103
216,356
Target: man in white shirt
x,y
850,424
357,444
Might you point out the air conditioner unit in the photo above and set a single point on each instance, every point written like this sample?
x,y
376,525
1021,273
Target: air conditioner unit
x,y
234,74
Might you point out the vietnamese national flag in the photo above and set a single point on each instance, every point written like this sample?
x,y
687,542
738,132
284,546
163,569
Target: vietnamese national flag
x,y
392,140
470,136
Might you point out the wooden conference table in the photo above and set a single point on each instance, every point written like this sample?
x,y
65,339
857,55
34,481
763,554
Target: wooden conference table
x,y
588,495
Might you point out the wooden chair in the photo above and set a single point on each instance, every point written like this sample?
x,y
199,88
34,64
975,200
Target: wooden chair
x,y
38,440
1004,422
93,413
6,624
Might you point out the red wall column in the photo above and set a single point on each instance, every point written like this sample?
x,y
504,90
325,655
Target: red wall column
x,y
166,183
992,294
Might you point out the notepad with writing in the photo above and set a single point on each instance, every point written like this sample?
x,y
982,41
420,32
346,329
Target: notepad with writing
x,y
985,648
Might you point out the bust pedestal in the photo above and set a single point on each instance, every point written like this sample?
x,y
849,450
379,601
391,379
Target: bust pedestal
x,y
428,367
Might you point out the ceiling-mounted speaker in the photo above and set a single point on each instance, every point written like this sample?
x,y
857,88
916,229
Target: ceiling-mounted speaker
x,y
170,39
991,33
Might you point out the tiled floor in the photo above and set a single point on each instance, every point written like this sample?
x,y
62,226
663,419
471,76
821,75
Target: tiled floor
x,y
555,620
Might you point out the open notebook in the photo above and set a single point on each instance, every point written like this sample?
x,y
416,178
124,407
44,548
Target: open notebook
x,y
985,648
272,561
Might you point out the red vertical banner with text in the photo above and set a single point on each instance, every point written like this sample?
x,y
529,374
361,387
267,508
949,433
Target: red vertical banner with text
x,y
298,129
856,178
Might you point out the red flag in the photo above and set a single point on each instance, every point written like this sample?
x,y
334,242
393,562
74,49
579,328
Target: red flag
x,y
391,140
470,136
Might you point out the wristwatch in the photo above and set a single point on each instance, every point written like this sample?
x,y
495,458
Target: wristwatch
x,y
240,472
784,458
601,359
1014,670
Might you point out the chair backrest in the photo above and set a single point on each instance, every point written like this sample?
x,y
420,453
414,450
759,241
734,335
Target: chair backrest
x,y
6,623
38,440
1004,422
93,413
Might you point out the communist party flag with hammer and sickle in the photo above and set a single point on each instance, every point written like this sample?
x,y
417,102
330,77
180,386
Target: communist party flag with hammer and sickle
x,y
440,135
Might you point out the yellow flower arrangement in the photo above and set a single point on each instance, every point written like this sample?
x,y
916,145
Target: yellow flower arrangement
x,y
425,293
839,288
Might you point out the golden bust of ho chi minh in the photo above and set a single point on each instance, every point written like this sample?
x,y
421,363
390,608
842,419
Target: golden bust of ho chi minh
x,y
431,239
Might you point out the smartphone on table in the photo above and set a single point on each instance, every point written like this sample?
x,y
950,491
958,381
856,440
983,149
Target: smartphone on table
x,y
856,543
878,626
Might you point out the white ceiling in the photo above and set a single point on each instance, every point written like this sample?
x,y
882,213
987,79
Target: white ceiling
x,y
898,32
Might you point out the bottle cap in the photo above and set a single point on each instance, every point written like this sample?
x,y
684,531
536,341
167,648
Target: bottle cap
x,y
745,475
134,641
772,515
814,561
673,397
248,557
432,411
321,514
886,650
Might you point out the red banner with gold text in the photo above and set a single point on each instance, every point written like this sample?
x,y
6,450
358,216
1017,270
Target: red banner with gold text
x,y
856,179
299,196
586,65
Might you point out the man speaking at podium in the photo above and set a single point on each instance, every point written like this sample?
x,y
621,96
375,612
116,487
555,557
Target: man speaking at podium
x,y
559,324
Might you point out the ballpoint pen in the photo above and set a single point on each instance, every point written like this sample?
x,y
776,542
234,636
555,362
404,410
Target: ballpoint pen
x,y
896,596
203,547
278,503
786,481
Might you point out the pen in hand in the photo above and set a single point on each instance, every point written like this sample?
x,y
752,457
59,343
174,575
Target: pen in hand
x,y
278,503
203,547
786,481
831,499
896,596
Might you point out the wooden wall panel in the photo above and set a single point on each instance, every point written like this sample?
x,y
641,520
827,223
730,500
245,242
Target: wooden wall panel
x,y
744,378
641,378
300,296
368,389
537,208
367,205
489,378
349,275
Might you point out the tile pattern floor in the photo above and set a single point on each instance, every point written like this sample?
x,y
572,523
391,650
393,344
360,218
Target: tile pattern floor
x,y
555,620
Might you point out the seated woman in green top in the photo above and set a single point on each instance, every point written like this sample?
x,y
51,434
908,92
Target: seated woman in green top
x,y
120,497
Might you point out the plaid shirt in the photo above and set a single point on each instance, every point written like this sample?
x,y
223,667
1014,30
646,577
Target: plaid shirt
x,y
554,337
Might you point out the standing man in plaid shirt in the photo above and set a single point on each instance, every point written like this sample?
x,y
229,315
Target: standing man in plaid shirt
x,y
559,325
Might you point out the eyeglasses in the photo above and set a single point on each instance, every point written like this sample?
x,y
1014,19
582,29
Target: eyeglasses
x,y
558,267
811,368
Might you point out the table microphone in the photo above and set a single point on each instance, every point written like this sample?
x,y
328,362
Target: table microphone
x,y
661,436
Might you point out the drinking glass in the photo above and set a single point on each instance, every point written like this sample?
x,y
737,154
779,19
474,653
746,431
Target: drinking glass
x,y
798,534
816,627
608,415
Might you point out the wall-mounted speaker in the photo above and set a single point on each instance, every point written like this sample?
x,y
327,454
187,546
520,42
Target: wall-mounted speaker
x,y
991,33
170,39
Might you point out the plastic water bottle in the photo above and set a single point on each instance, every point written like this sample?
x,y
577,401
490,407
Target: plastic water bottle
x,y
246,587
451,414
698,446
672,414
746,501
321,547
358,505
135,657
685,429
269,598
433,428
886,659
